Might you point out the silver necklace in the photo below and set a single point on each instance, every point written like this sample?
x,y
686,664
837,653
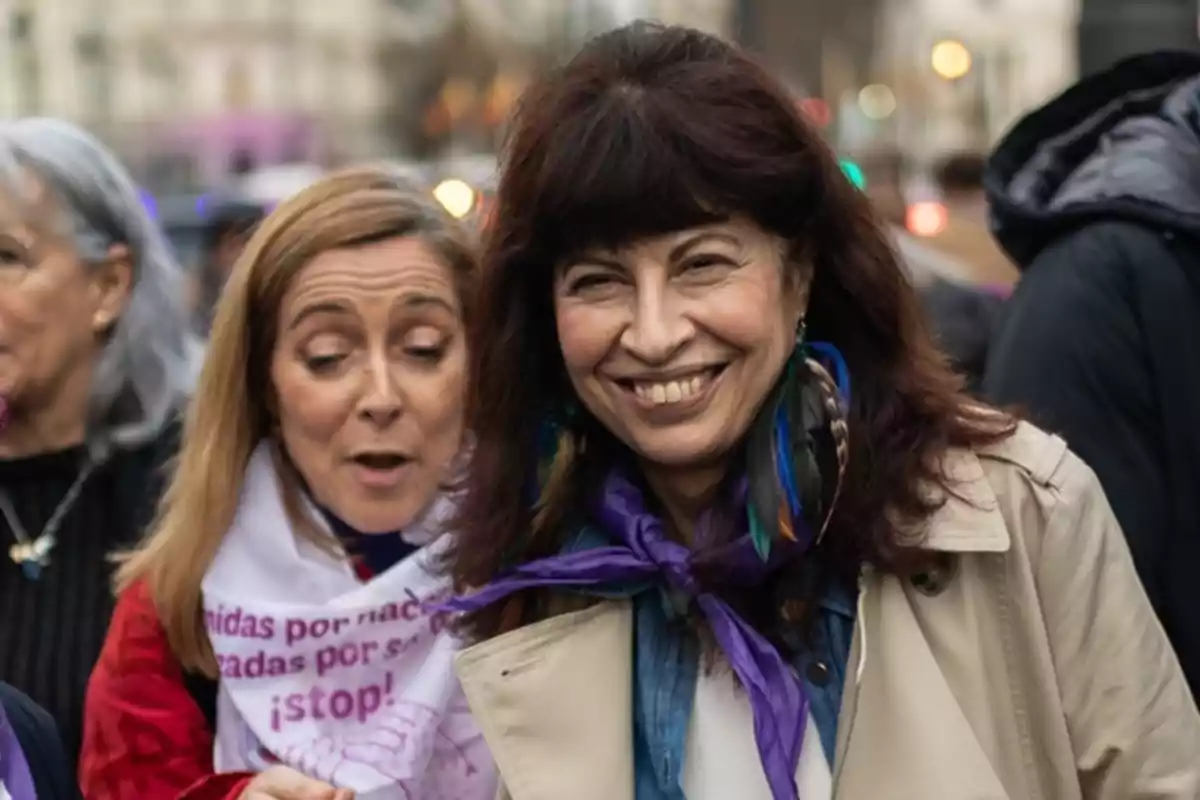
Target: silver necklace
x,y
32,554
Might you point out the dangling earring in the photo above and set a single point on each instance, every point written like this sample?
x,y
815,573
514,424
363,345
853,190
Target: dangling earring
x,y
833,392
834,402
773,508
808,396
791,507
840,372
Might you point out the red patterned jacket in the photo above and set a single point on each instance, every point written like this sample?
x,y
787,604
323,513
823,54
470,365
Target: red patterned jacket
x,y
145,736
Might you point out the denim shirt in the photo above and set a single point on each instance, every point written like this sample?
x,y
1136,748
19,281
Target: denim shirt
x,y
821,661
822,665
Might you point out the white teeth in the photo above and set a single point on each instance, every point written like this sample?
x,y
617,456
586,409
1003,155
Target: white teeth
x,y
671,391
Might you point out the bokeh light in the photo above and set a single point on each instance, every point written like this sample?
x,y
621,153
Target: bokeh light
x,y
876,101
149,203
950,59
854,173
455,196
927,218
817,111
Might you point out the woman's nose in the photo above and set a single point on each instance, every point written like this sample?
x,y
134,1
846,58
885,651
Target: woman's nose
x,y
380,414
381,403
657,330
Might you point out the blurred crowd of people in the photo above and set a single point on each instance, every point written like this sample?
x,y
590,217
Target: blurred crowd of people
x,y
667,484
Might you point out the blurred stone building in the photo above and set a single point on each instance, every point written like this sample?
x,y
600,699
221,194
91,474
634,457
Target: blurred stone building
x,y
183,88
189,90
924,78
485,52
919,77
963,72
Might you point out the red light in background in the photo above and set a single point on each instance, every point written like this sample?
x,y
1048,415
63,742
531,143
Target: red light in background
x,y
817,111
926,218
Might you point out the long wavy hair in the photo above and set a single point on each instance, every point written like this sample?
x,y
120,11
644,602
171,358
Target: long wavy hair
x,y
652,129
231,411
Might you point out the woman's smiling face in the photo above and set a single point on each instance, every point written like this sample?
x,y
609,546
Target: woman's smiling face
x,y
673,342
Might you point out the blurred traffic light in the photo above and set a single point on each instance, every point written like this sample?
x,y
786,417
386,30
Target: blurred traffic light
x,y
854,173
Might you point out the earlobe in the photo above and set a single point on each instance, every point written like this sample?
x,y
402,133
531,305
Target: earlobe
x,y
112,284
797,293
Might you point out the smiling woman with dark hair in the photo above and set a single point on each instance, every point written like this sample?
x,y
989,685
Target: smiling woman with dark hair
x,y
736,531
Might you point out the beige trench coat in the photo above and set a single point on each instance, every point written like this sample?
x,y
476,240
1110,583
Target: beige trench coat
x,y
1033,669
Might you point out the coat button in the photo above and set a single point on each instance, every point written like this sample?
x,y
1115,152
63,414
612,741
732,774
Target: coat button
x,y
925,583
934,580
817,673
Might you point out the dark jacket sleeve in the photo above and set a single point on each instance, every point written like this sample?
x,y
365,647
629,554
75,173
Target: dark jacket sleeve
x,y
1071,353
40,744
145,736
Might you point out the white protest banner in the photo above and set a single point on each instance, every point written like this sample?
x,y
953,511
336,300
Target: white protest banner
x,y
348,682
362,697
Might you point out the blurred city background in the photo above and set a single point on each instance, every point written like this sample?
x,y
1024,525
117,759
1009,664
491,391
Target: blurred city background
x,y
200,95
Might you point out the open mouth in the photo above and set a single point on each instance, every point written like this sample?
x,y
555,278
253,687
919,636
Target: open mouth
x,y
381,462
676,390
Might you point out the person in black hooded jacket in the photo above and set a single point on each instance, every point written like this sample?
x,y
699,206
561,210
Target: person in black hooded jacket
x,y
1096,196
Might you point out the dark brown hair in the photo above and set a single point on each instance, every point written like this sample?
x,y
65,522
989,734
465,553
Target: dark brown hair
x,y
648,130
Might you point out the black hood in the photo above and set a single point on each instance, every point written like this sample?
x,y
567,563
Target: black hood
x,y
1121,144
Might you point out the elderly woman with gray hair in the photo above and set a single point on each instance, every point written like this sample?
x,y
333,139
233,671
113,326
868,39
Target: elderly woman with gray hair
x,y
96,358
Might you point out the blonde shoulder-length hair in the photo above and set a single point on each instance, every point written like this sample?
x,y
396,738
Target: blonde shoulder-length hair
x,y
231,410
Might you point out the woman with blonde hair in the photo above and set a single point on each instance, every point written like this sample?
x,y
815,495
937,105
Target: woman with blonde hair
x,y
288,568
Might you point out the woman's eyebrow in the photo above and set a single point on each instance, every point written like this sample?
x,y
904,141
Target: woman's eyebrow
x,y
314,309
415,301
699,238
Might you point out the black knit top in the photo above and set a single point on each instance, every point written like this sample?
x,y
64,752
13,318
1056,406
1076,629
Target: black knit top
x,y
52,628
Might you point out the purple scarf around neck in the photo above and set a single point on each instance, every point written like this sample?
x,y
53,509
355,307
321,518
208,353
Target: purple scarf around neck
x,y
643,553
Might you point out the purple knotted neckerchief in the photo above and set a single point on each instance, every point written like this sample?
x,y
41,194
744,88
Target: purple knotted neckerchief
x,y
15,779
776,695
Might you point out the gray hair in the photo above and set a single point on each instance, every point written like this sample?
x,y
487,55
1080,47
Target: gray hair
x,y
149,363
